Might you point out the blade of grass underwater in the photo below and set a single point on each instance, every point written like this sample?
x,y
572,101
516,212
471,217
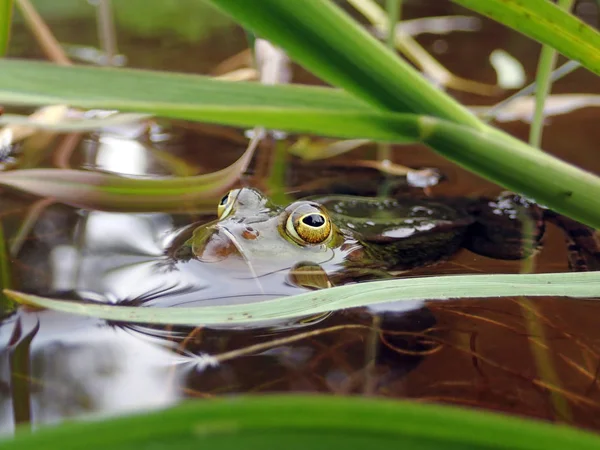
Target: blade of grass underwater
x,y
501,158
545,22
324,39
308,422
572,284
6,7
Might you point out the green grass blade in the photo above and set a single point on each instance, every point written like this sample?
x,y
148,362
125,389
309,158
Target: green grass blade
x,y
505,160
6,7
518,167
37,83
309,422
325,40
545,22
328,112
572,284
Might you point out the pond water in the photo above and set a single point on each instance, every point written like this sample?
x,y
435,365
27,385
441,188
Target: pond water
x,y
536,357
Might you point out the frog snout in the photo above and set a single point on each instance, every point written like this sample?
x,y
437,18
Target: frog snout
x,y
218,242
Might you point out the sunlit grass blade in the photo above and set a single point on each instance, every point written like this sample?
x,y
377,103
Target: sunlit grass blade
x,y
572,284
309,422
545,22
6,7
325,40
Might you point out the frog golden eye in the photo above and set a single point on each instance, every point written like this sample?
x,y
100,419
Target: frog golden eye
x,y
308,224
225,205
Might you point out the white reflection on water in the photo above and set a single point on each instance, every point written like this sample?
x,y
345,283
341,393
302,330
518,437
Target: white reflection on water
x,y
82,366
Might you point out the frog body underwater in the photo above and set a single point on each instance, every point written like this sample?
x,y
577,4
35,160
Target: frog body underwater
x,y
346,238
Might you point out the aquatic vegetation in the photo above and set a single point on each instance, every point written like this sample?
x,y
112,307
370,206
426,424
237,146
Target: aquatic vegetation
x,y
375,96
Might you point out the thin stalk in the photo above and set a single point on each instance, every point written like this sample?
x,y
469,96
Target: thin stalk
x,y
19,358
557,74
106,31
42,33
393,11
546,64
6,304
415,52
6,7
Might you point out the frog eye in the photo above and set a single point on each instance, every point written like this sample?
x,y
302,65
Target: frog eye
x,y
225,205
308,224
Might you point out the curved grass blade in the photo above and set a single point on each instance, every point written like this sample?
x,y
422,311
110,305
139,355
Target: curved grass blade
x,y
104,191
572,284
315,422
545,22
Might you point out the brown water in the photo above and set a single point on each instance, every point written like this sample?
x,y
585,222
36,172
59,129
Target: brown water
x,y
536,357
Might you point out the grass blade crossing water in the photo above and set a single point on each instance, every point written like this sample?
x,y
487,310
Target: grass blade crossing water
x,y
584,284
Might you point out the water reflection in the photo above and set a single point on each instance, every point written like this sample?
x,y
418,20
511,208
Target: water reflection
x,y
80,366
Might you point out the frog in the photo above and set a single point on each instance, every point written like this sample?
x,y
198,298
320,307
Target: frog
x,y
329,240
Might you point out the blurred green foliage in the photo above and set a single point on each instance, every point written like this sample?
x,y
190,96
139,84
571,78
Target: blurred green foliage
x,y
189,20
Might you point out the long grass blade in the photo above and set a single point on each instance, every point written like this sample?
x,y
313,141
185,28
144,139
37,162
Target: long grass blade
x,y
37,83
505,160
325,40
315,422
573,284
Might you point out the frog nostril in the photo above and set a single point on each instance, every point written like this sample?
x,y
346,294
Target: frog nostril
x,y
250,233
